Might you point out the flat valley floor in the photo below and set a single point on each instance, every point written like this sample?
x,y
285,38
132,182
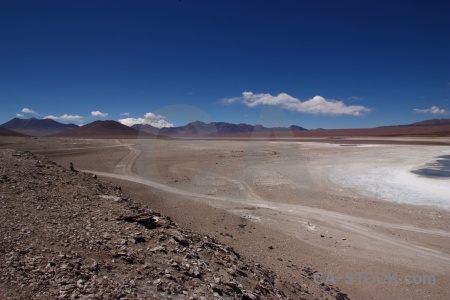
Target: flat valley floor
x,y
347,209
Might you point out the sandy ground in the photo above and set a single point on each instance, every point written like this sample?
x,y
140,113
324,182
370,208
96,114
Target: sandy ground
x,y
335,208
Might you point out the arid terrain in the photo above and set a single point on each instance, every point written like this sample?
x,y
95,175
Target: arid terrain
x,y
236,150
336,206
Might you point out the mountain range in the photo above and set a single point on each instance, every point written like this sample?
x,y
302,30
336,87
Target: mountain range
x,y
37,127
199,128
114,129
104,129
432,122
8,132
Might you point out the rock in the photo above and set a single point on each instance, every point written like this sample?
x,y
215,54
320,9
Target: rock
x,y
179,237
55,225
249,296
158,248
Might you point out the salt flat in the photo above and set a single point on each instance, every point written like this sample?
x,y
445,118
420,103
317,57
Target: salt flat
x,y
385,172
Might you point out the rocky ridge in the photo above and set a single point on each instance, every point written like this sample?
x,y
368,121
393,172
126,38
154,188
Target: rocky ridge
x,y
68,235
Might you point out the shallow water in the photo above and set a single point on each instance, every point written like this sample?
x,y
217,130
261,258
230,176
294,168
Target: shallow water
x,y
437,169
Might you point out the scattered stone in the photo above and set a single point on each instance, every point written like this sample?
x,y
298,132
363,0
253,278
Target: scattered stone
x,y
68,235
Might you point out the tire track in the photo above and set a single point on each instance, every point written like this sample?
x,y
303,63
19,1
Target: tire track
x,y
351,223
125,165
357,225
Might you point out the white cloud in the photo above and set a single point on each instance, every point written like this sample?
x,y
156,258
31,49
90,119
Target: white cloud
x,y
64,117
124,114
431,110
149,118
316,105
152,116
154,123
19,115
28,111
99,114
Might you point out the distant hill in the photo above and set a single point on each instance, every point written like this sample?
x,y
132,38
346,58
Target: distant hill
x,y
8,132
37,127
432,122
104,129
199,128
436,127
146,128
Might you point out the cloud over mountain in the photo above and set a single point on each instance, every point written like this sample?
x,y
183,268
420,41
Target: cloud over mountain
x,y
29,111
431,110
149,118
98,113
64,117
316,105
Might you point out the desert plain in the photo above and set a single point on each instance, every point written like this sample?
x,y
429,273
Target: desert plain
x,y
348,208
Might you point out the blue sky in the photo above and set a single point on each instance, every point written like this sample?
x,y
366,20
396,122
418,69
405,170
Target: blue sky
x,y
330,64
